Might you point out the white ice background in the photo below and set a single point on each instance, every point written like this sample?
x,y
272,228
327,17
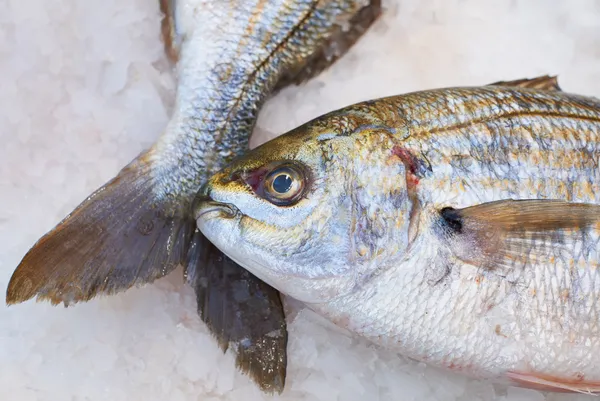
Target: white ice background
x,y
85,86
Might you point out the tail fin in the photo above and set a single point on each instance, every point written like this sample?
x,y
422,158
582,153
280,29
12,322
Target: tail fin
x,y
243,313
119,237
168,29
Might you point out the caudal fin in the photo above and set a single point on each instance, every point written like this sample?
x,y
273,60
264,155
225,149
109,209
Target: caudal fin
x,y
243,313
119,237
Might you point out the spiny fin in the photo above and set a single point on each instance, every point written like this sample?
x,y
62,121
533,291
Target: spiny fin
x,y
333,47
556,384
508,233
546,82
243,313
169,29
119,237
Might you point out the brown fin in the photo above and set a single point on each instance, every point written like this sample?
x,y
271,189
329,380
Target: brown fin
x,y
334,47
243,313
119,237
510,232
546,82
169,30
556,384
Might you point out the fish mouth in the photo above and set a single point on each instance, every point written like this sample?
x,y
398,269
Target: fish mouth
x,y
205,206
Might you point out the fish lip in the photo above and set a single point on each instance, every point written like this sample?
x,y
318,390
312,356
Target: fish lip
x,y
206,205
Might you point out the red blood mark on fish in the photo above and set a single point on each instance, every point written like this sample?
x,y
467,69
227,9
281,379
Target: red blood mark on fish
x,y
458,367
454,366
412,180
416,167
409,161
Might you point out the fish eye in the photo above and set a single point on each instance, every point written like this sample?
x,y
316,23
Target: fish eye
x,y
284,185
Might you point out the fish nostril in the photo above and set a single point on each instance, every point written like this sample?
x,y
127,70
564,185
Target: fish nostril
x,y
205,190
202,195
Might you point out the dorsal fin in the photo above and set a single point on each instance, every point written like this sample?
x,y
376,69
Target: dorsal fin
x,y
546,82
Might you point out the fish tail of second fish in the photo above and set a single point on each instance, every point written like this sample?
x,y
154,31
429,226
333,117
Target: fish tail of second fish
x,y
121,236
244,314
335,45
168,30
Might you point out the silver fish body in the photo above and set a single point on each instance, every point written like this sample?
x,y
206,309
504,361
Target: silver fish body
x,y
459,227
230,56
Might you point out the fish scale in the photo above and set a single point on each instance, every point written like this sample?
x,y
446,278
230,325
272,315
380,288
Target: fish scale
x,y
230,55
492,162
473,241
493,167
220,94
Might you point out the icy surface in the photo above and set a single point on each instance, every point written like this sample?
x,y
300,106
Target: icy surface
x,y
85,87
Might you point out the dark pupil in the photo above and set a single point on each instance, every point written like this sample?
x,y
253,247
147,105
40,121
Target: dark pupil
x,y
282,183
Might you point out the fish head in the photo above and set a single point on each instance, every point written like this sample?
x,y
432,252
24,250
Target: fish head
x,y
312,212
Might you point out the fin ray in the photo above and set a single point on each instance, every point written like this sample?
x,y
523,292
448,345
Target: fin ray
x,y
169,30
243,313
509,232
556,384
334,47
119,237
545,82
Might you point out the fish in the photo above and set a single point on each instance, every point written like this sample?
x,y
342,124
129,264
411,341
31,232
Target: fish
x,y
229,57
459,227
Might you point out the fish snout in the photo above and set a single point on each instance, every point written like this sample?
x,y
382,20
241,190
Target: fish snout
x,y
205,206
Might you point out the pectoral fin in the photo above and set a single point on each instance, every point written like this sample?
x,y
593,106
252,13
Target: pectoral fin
x,y
511,233
546,82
